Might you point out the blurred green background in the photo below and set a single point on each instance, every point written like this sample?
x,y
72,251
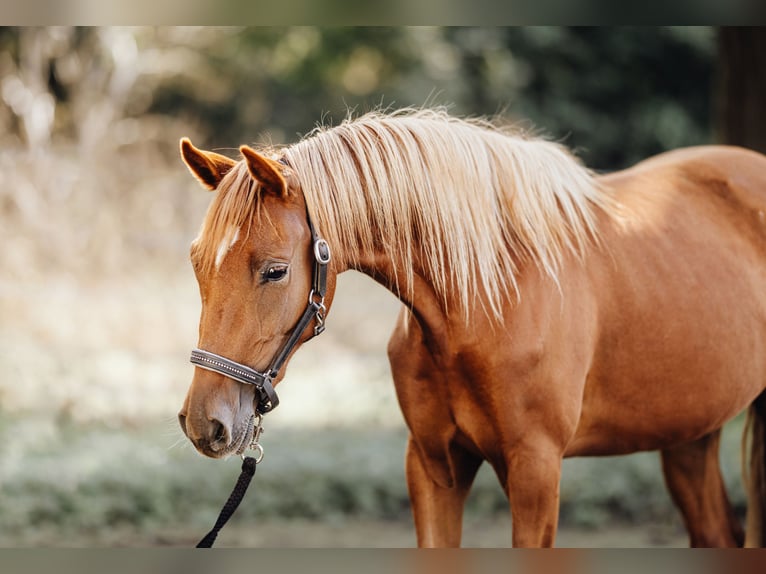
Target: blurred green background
x,y
98,304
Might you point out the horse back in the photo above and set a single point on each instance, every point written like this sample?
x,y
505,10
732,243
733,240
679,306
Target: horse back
x,y
726,184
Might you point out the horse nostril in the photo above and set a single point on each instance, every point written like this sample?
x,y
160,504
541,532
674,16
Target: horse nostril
x,y
209,435
182,422
219,434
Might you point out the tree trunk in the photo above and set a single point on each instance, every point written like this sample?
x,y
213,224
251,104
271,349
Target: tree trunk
x,y
742,87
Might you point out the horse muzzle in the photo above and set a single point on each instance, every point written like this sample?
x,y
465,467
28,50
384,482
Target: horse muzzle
x,y
218,425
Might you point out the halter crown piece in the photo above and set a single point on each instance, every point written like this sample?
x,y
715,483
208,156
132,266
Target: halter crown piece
x,y
315,310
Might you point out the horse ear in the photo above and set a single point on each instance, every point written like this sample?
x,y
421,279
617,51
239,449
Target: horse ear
x,y
265,171
207,166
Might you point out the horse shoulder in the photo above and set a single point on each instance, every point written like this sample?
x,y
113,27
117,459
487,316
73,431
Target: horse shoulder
x,y
495,380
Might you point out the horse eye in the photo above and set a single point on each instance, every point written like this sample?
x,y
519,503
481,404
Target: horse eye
x,y
275,273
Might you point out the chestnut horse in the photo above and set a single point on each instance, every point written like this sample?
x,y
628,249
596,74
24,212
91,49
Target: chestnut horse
x,y
548,312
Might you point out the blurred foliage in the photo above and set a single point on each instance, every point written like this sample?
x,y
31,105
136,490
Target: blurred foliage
x,y
616,94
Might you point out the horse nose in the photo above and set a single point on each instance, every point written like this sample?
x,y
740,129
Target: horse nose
x,y
209,435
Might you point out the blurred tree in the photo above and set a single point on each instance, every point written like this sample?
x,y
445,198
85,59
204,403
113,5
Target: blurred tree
x,y
615,94
742,86
280,82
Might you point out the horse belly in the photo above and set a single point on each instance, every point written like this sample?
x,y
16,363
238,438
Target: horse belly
x,y
678,355
669,399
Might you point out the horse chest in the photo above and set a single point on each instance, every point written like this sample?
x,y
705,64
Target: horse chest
x,y
449,405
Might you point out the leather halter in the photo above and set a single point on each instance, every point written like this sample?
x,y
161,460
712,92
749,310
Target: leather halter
x,y
315,310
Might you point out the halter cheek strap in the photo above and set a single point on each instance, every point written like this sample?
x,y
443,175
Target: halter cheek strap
x,y
315,310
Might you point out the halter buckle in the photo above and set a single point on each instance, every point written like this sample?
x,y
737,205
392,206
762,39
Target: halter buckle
x,y
322,252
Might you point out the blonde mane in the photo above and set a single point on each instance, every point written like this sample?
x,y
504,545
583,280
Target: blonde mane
x,y
469,200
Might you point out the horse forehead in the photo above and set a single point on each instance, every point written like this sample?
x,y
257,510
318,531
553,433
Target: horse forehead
x,y
265,236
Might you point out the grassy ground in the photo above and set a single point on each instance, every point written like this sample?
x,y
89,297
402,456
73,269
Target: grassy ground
x,y
494,532
99,486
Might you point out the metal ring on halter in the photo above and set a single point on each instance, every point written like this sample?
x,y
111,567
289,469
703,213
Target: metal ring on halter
x,y
313,294
258,448
257,422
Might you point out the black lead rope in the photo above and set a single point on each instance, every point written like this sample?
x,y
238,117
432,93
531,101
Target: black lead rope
x,y
248,470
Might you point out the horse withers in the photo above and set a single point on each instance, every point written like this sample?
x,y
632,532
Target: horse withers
x,y
547,312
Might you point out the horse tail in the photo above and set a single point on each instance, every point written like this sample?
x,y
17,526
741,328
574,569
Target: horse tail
x,y
754,473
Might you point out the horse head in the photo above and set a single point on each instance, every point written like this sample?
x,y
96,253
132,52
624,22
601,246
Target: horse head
x,y
255,262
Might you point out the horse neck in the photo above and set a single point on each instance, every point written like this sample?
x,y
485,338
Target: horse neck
x,y
420,298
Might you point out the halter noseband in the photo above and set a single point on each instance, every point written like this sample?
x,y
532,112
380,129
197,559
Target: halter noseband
x,y
315,310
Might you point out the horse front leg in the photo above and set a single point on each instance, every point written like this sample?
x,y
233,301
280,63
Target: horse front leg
x,y
438,509
532,485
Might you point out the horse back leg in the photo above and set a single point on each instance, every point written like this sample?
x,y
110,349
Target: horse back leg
x,y
693,476
438,509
